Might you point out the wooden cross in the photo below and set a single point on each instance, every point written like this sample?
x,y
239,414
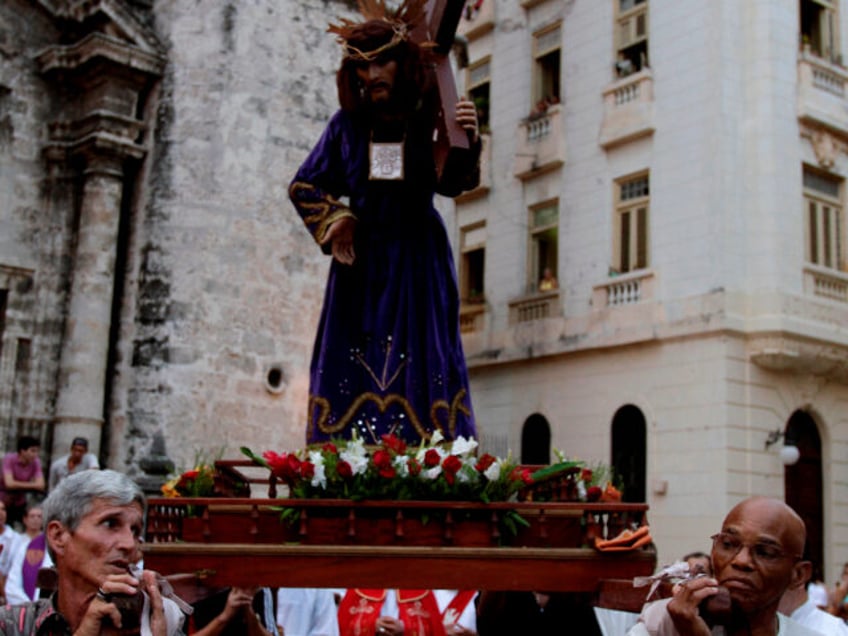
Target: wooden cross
x,y
439,26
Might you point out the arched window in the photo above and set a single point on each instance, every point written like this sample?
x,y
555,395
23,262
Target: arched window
x,y
803,482
629,451
536,441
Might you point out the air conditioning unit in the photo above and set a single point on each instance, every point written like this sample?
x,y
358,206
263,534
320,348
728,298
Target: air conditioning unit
x,y
632,30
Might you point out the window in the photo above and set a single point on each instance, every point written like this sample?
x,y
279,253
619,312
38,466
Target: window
x,y
818,20
472,267
631,224
823,210
544,242
631,36
546,71
479,77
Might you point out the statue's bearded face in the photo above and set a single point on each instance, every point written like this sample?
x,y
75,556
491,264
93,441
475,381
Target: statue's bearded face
x,y
378,79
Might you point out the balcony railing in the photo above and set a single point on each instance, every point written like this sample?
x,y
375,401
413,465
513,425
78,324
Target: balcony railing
x,y
628,109
472,317
821,91
478,18
540,146
624,289
825,282
534,307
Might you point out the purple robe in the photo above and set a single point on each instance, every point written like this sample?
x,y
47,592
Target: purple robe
x,y
388,356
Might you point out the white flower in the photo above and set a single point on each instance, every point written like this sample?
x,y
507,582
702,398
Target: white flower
x,y
401,464
462,446
432,473
436,437
319,478
355,455
581,489
493,472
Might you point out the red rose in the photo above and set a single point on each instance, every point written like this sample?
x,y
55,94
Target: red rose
x,y
382,459
414,467
586,475
521,474
307,470
387,472
284,466
432,458
484,463
329,447
190,474
452,464
394,443
593,493
344,470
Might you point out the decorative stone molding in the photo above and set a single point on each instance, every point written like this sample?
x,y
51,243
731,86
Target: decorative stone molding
x,y
785,354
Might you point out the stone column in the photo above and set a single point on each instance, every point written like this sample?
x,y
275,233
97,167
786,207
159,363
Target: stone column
x,y
85,348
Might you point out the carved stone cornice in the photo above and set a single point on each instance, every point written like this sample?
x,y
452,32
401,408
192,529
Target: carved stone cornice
x,y
99,46
785,354
108,70
113,16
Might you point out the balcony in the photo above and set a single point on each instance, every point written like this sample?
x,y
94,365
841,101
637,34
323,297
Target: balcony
x,y
478,18
540,146
624,289
628,109
821,91
826,283
472,317
485,172
536,306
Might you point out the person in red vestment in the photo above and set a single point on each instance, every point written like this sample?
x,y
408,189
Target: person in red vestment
x,y
364,612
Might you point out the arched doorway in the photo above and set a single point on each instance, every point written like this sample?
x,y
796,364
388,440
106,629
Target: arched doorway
x,y
803,482
629,452
536,440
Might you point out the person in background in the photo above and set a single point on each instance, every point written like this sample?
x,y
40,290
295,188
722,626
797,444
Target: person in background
x,y
548,281
243,614
78,459
366,612
29,555
8,539
22,474
307,612
838,597
93,526
699,563
797,605
817,588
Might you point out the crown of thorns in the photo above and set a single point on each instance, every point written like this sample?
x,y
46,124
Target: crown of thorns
x,y
402,20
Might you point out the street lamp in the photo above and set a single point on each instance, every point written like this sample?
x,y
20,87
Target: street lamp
x,y
789,454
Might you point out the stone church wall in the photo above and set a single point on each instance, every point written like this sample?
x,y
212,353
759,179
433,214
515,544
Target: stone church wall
x,y
218,284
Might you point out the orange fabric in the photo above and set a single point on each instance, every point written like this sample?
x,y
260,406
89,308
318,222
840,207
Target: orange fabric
x,y
419,612
626,540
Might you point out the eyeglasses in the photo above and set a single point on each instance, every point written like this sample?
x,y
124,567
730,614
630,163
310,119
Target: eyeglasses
x,y
728,546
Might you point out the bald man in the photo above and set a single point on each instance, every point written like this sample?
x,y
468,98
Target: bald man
x,y
756,557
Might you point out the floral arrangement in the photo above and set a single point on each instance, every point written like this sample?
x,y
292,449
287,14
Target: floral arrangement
x,y
205,480
434,471
197,482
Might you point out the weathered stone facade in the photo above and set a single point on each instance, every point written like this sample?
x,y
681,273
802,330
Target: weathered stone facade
x,y
157,285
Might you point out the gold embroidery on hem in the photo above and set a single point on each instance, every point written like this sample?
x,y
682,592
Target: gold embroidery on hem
x,y
319,413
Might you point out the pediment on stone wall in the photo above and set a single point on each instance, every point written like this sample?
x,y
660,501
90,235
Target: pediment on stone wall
x,y
107,29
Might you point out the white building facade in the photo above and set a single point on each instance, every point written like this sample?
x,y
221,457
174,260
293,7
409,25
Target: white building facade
x,y
680,168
